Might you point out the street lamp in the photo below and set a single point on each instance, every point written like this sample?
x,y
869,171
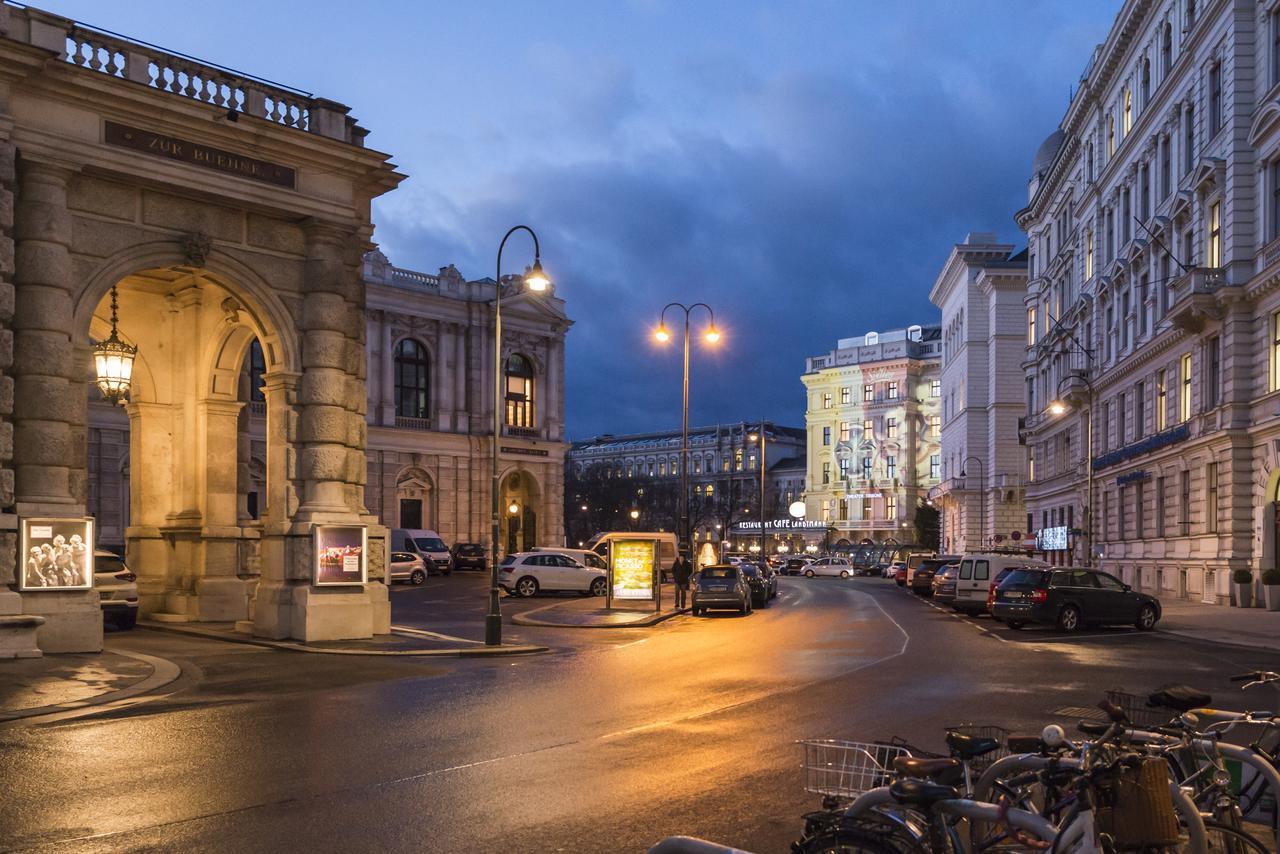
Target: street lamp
x,y
536,280
113,361
759,436
1060,407
982,485
711,336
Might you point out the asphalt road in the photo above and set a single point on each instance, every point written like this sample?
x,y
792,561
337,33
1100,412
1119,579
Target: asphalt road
x,y
609,743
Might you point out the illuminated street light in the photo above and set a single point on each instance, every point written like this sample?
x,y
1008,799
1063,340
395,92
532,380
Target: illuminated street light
x,y
712,335
1057,407
536,279
662,334
513,508
113,361
635,514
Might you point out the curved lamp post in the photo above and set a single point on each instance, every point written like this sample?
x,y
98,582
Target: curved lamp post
x,y
711,336
982,497
536,280
759,436
1060,407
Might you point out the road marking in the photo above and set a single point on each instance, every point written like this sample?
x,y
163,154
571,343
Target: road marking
x,y
423,633
633,643
163,672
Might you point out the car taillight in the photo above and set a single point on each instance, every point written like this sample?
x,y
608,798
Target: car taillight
x,y
991,594
1039,595
508,569
125,576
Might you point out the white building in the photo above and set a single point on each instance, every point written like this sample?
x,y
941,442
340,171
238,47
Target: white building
x,y
1152,309
980,292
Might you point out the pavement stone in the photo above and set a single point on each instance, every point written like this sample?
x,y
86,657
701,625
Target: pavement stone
x,y
589,614
1250,627
402,641
30,684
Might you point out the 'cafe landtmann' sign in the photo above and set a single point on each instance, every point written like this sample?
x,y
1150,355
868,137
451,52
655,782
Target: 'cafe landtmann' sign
x,y
199,154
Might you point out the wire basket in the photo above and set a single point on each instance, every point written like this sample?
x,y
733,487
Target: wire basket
x,y
1136,708
846,769
998,733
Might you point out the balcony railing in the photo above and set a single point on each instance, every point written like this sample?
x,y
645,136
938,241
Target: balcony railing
x,y
413,423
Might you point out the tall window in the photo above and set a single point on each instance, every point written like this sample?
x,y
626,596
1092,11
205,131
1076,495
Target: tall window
x,y
891,507
737,452
866,468
1139,510
1146,82
891,428
826,436
1165,178
826,472
1188,139
1139,410
1184,392
1144,202
826,400
892,392
1031,327
1215,98
844,468
1121,432
1274,22
1166,49
1162,400
846,395
867,429
257,367
412,367
1275,352
1213,255
846,431
868,392
1159,513
935,388
520,392
935,426
1127,123
890,467
1273,227
1191,13
1211,492
1111,137
1212,372
1184,508
935,466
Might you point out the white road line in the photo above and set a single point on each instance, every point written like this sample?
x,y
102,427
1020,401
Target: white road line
x,y
423,633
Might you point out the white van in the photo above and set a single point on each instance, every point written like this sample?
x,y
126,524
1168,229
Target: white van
x,y
426,544
667,546
586,557
976,574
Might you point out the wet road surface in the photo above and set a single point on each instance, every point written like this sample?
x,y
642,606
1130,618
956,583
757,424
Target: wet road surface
x,y
612,741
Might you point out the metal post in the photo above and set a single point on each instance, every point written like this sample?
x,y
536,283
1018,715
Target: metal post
x,y
685,539
764,553
1088,510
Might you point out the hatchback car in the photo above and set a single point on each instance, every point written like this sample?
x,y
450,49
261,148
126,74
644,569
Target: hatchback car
x,y
763,583
530,573
407,566
892,570
469,556
921,581
795,566
117,588
944,584
721,586
834,566
1070,597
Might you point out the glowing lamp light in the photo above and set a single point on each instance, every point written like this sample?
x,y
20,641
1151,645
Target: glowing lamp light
x,y
797,509
113,362
536,279
662,334
635,514
712,335
513,508
1057,407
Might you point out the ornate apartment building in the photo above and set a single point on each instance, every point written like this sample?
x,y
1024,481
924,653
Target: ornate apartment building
x,y
1152,315
874,422
980,292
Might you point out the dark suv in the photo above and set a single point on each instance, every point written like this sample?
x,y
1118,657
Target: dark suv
x,y
1070,597
922,579
469,556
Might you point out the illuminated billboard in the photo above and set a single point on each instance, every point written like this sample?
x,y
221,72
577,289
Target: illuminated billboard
x,y
633,568
1053,539
340,555
56,554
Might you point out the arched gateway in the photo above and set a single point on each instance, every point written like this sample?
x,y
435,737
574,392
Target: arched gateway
x,y
224,211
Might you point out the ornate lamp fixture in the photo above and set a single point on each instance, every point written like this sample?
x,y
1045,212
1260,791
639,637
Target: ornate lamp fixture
x,y
113,360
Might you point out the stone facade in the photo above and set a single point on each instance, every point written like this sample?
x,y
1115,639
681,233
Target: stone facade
x,y
874,422
1151,309
980,293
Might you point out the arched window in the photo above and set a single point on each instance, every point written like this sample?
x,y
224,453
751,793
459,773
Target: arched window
x,y
257,366
412,379
520,392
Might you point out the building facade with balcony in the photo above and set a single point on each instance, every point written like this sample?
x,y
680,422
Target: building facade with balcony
x,y
874,423
980,292
1152,312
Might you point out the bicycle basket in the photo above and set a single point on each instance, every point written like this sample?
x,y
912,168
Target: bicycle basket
x,y
1137,710
996,733
846,769
1135,806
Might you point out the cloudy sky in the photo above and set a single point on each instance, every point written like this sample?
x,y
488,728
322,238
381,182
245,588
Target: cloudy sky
x,y
803,166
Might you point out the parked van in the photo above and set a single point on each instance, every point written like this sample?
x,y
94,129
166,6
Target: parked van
x,y
666,545
977,571
426,544
913,563
586,557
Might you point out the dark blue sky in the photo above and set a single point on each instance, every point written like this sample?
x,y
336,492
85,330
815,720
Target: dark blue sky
x,y
804,167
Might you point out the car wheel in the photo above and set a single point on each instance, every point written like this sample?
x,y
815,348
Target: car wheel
x,y
1068,618
1015,624
417,577
599,586
527,586
808,573
844,573
1146,618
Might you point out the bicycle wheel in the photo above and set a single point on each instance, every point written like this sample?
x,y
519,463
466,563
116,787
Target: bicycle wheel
x,y
853,842
1223,839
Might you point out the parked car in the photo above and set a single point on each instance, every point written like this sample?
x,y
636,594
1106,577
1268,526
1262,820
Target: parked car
x,y
762,581
913,563
795,565
117,588
921,581
836,566
973,582
892,570
426,544
530,573
944,584
996,581
1070,597
901,576
721,585
585,557
470,556
407,566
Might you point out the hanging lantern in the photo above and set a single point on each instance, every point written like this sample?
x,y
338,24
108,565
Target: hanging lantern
x,y
113,360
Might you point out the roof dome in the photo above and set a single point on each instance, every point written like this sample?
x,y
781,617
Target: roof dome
x,y
1047,152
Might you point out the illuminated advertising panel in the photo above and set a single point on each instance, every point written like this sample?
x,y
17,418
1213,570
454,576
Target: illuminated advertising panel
x,y
1053,539
633,567
56,554
341,553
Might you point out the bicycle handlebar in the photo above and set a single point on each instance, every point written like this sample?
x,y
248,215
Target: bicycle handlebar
x,y
1244,677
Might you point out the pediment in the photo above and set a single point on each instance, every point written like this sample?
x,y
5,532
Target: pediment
x,y
1209,172
1265,122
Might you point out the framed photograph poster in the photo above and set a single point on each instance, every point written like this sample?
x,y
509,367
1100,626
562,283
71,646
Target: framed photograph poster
x,y
341,555
55,554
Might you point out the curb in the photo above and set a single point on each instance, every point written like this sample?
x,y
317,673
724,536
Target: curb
x,y
448,652
163,672
525,620
1186,635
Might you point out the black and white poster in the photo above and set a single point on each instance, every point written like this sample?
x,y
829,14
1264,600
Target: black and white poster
x,y
340,555
56,554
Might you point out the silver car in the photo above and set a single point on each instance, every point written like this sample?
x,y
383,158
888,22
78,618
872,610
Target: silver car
x,y
721,586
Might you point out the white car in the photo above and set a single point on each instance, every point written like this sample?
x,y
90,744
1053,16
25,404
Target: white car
x,y
891,571
839,567
407,566
529,573
117,588
586,557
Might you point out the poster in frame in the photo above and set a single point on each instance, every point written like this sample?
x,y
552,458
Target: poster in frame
x,y
55,554
341,555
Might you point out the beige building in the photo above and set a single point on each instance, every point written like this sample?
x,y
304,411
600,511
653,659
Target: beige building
x,y
874,425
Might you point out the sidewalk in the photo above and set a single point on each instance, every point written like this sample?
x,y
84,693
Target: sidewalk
x,y
1251,627
591,614
401,641
68,681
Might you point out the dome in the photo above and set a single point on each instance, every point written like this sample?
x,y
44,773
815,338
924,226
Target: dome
x,y
1047,152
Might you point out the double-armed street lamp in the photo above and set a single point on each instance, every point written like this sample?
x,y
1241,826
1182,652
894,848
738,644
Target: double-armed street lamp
x,y
759,437
982,496
535,280
711,335
1060,406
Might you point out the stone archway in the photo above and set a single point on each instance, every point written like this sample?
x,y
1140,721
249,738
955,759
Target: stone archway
x,y
519,531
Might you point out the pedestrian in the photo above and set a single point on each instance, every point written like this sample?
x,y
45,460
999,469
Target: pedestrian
x,y
682,571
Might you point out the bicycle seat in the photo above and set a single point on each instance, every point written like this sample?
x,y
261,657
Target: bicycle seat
x,y
912,766
970,746
1180,698
921,793
1024,744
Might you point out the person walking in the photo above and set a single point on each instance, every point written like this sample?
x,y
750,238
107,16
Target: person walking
x,y
682,571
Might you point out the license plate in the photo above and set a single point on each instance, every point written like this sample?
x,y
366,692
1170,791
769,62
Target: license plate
x,y
1013,594
717,588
